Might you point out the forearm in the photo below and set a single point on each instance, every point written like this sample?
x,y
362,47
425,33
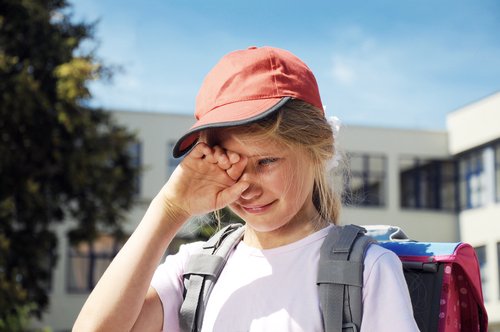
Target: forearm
x,y
117,299
197,186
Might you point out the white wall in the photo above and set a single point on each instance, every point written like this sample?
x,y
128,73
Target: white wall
x,y
155,131
474,124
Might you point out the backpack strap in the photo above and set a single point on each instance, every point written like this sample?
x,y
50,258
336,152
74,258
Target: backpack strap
x,y
340,276
202,271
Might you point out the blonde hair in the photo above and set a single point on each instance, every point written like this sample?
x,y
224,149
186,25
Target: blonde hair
x,y
300,125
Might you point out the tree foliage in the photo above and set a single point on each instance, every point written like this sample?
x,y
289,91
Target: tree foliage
x,y
59,158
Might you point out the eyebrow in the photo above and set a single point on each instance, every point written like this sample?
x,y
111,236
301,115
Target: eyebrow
x,y
266,155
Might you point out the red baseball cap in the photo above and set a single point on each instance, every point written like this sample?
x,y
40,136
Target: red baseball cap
x,y
246,86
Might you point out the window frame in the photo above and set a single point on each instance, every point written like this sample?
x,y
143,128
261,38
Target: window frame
x,y
424,177
483,266
90,278
473,161
366,175
496,170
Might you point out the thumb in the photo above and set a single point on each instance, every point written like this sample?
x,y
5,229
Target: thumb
x,y
230,194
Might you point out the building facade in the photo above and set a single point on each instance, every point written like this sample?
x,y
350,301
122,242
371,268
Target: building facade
x,y
474,136
441,186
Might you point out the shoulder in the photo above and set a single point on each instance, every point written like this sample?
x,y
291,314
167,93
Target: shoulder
x,y
190,248
386,300
378,254
174,264
185,251
383,276
378,257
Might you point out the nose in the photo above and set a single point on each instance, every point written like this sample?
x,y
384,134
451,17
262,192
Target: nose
x,y
254,190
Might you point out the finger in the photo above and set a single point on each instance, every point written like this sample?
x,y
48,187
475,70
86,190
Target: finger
x,y
237,169
221,157
231,194
233,157
210,156
200,151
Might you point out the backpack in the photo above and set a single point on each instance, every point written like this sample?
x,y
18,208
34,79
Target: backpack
x,y
437,275
443,279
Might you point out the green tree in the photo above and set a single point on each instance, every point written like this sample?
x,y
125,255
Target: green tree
x,y
59,158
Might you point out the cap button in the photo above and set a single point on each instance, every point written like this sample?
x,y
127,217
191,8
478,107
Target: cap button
x,y
252,48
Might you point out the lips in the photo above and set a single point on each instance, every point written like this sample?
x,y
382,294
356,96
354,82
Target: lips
x,y
256,209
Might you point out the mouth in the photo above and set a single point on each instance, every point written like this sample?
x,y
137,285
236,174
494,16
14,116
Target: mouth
x,y
256,209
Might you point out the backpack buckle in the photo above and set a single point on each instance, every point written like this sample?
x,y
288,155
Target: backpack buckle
x,y
349,327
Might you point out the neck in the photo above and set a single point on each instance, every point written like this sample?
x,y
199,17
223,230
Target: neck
x,y
292,231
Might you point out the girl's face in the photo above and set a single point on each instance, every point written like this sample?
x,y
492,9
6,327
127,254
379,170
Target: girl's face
x,y
281,183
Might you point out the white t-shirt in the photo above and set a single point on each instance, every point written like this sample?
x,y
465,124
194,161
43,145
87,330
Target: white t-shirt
x,y
275,290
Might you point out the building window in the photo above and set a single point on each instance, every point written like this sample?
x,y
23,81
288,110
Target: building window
x,y
472,178
135,153
497,172
481,257
88,261
366,183
171,161
427,184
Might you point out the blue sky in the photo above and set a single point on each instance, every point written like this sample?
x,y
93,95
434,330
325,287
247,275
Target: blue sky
x,y
389,63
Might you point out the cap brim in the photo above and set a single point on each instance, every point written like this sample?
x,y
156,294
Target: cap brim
x,y
230,115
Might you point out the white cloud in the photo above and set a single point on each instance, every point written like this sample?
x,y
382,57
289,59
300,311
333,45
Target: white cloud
x,y
342,72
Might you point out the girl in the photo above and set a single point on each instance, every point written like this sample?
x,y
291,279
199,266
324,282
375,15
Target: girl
x,y
261,145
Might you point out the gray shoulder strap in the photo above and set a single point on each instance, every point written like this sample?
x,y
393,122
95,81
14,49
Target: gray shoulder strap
x,y
340,276
202,271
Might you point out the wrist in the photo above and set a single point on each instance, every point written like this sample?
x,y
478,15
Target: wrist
x,y
169,209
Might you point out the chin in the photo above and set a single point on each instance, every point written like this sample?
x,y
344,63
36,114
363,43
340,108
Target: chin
x,y
266,224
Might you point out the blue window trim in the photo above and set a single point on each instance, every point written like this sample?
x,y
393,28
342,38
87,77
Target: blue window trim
x,y
473,171
466,157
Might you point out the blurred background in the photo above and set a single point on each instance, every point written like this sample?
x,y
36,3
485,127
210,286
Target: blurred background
x,y
95,93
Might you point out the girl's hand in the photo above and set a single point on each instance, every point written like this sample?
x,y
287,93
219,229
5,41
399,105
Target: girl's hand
x,y
206,180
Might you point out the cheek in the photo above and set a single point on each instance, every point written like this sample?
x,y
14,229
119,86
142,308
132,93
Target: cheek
x,y
297,186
